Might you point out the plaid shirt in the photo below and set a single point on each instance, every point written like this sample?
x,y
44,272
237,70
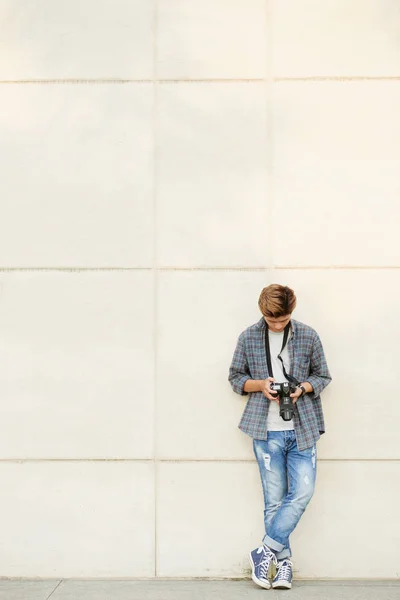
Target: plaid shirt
x,y
307,363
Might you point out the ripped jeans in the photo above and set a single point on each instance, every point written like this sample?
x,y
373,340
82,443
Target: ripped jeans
x,y
288,480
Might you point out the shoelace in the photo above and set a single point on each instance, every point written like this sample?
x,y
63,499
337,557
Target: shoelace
x,y
265,561
284,569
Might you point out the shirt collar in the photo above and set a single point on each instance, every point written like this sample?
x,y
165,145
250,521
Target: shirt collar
x,y
262,325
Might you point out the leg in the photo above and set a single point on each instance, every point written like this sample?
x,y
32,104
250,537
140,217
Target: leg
x,y
271,458
301,467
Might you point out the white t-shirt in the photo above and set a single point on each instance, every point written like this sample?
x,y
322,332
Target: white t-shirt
x,y
274,421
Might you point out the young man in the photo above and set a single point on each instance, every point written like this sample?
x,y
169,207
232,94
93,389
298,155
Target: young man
x,y
279,349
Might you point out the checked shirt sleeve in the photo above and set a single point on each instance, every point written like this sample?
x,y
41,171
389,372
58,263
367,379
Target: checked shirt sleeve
x,y
319,376
239,371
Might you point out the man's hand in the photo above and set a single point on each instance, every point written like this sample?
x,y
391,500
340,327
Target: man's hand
x,y
296,395
266,389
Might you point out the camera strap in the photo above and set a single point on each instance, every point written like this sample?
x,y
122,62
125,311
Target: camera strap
x,y
290,378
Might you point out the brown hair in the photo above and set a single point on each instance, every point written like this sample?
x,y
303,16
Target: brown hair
x,y
277,301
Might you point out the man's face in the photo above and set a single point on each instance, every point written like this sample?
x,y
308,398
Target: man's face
x,y
277,325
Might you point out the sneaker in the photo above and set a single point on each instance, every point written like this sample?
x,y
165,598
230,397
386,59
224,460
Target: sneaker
x,y
261,559
283,577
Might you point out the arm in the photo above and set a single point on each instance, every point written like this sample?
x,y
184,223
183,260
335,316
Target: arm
x,y
254,385
319,375
240,377
239,372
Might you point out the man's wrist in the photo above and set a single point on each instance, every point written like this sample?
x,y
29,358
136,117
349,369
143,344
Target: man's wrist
x,y
254,385
307,386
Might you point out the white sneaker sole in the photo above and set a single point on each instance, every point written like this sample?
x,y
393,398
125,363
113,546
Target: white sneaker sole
x,y
283,585
264,584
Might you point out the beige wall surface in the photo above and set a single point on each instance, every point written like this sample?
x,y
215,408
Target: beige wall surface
x,y
161,162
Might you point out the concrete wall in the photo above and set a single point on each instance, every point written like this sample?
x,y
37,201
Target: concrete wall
x,y
161,162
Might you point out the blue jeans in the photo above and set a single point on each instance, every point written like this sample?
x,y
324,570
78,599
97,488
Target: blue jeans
x,y
288,480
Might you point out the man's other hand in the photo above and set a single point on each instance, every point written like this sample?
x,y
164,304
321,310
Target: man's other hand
x,y
266,389
296,395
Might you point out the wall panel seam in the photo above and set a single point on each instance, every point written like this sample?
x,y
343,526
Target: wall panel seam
x,y
200,269
269,129
175,460
155,273
99,81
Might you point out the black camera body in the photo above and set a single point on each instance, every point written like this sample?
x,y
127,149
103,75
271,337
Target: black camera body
x,y
286,407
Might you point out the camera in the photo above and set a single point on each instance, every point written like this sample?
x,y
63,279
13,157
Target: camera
x,y
284,390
